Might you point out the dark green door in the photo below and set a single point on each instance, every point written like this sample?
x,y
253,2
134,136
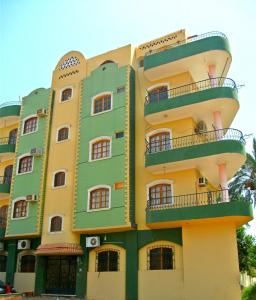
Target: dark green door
x,y
61,275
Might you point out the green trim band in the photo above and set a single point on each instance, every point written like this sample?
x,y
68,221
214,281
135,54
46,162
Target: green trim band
x,y
8,148
5,188
9,111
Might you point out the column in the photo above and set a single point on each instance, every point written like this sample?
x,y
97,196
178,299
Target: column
x,y
131,265
218,125
11,261
212,75
223,182
82,269
40,275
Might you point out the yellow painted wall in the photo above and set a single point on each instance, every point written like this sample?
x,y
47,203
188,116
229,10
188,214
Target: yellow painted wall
x,y
210,262
106,285
4,164
24,282
4,131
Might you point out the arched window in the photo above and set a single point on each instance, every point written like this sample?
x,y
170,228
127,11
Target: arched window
x,y
8,174
107,261
158,93
12,136
102,103
56,224
25,164
30,125
3,216
159,142
3,261
160,194
63,134
107,62
27,264
100,149
59,179
20,209
99,198
66,94
161,258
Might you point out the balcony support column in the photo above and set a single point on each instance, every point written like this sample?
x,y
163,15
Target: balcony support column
x,y
223,182
218,124
212,75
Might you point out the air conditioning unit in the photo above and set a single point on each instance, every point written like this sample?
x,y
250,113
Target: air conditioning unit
x,y
92,241
23,244
31,198
1,246
202,181
201,127
42,112
36,151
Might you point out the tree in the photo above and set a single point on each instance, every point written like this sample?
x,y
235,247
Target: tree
x,y
249,293
244,182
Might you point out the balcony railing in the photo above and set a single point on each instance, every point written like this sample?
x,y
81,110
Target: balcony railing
x,y
5,179
8,141
189,39
10,103
202,137
190,88
191,200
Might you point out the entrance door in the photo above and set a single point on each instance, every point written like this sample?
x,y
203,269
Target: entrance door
x,y
61,275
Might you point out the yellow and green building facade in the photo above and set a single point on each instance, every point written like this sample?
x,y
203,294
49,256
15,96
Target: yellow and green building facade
x,y
114,181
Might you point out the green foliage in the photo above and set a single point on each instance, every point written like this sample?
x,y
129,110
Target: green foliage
x,y
246,252
249,293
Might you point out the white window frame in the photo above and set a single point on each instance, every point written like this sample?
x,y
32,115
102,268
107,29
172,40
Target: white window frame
x,y
13,203
159,130
95,188
57,133
53,177
63,89
49,224
18,164
24,121
160,181
150,88
97,139
97,96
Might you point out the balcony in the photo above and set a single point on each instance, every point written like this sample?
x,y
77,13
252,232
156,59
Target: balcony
x,y
192,55
202,151
7,147
185,209
9,113
5,184
196,100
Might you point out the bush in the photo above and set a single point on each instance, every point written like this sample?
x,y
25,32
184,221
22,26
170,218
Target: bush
x,y
249,293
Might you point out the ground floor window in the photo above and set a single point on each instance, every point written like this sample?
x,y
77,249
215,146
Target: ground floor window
x,y
161,258
27,264
107,261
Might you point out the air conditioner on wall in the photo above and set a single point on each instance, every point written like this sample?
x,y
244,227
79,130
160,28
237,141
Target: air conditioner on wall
x,y
1,246
23,244
202,181
42,112
31,198
36,151
92,241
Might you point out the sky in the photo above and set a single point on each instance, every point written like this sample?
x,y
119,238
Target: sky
x,y
35,34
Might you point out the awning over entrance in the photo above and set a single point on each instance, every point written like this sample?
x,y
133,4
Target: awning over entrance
x,y
59,249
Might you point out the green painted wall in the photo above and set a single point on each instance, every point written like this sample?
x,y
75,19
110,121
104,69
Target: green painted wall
x,y
106,78
30,183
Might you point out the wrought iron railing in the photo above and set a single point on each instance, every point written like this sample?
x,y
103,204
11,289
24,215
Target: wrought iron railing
x,y
188,40
202,137
5,179
190,200
190,88
8,141
10,103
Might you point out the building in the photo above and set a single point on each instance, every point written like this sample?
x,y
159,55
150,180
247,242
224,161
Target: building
x,y
120,169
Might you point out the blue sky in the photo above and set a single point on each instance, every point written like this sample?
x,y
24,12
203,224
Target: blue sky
x,y
35,34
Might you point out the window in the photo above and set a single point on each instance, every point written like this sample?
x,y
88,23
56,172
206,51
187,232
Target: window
x,y
159,142
63,134
160,258
107,62
160,194
56,224
8,174
27,264
3,216
101,104
3,260
30,125
12,136
20,209
99,198
59,179
158,93
66,94
107,261
25,164
100,149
